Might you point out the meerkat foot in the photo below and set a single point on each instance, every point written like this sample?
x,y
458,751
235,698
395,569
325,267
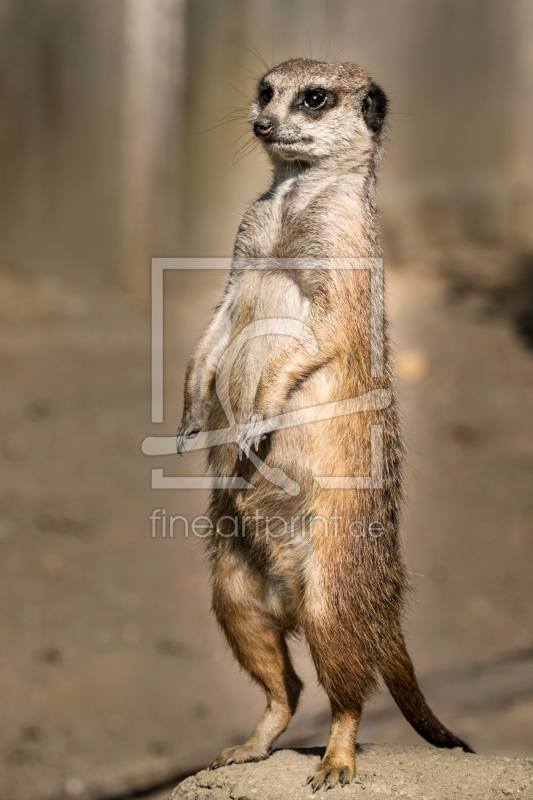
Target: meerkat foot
x,y
327,775
239,754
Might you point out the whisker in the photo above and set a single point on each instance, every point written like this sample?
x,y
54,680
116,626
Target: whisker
x,y
344,48
246,97
254,75
261,59
224,122
246,153
242,110
245,144
250,145
256,55
243,151
246,133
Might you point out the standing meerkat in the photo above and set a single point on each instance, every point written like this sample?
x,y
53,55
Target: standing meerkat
x,y
292,334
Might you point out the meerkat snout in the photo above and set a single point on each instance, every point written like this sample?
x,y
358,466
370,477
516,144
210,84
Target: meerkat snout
x,y
263,129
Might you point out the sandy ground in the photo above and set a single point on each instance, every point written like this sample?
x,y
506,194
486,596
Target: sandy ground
x,y
382,770
114,676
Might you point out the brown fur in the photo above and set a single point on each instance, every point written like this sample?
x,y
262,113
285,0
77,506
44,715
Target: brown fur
x,y
344,593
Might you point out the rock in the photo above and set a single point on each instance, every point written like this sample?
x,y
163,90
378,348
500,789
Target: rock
x,y
391,771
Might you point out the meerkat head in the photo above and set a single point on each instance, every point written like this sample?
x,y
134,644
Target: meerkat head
x,y
309,111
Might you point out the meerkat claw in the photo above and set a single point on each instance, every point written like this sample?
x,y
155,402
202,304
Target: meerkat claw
x,y
185,432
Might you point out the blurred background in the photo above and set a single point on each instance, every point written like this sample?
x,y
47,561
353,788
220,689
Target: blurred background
x,y
114,677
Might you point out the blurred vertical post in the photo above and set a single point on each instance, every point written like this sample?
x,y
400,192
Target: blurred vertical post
x,y
90,140
150,149
521,227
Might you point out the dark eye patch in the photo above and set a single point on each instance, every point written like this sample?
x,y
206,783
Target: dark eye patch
x,y
314,100
266,93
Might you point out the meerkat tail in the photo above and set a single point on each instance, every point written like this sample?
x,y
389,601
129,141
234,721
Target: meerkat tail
x,y
399,676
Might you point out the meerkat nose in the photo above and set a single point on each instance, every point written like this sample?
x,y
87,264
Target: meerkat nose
x,y
263,129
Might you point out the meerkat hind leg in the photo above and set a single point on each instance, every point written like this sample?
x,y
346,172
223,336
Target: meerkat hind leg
x,y
338,764
259,646
349,679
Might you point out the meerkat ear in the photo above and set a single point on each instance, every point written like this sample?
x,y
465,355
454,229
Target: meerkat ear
x,y
375,105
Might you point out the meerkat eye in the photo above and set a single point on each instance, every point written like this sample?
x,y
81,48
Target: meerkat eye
x,y
266,95
314,99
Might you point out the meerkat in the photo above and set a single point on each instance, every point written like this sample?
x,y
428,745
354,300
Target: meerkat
x,y
295,319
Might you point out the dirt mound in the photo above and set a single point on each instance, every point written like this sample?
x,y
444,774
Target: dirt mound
x,y
386,770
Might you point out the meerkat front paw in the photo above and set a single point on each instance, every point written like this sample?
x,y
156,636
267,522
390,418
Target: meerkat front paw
x,y
240,754
257,428
188,429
